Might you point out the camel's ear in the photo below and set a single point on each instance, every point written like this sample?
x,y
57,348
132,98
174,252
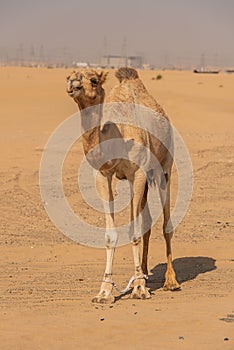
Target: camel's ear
x,y
102,76
72,73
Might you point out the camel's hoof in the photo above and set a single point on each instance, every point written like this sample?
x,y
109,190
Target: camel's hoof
x,y
103,299
173,286
140,293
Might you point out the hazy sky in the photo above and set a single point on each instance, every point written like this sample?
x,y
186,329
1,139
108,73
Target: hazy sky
x,y
159,30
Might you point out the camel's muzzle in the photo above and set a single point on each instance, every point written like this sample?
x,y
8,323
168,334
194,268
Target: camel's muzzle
x,y
74,86
72,90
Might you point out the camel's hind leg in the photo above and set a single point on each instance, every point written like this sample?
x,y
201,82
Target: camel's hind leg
x,y
146,229
170,277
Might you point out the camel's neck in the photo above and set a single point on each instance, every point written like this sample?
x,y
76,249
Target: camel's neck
x,y
90,122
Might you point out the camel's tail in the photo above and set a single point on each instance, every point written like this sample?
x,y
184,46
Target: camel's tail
x,y
125,73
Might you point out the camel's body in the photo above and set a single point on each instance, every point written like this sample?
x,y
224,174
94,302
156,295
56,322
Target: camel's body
x,y
86,89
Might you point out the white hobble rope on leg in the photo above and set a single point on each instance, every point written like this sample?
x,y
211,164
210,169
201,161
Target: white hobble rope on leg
x,y
125,290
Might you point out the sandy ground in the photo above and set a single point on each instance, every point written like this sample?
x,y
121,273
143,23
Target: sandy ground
x,y
47,281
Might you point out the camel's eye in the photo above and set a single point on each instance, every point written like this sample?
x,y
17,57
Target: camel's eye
x,y
94,81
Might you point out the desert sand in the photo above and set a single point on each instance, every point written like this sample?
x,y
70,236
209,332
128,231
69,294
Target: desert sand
x,y
47,281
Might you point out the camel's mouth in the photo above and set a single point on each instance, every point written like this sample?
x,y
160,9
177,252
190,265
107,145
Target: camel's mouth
x,y
74,91
70,93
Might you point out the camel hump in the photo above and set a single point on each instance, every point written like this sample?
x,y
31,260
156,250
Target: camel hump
x,y
125,73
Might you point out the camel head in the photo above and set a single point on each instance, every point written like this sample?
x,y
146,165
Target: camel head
x,y
85,87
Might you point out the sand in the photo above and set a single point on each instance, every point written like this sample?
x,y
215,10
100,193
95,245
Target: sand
x,y
47,281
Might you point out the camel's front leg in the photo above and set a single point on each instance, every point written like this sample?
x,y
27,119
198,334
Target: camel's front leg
x,y
139,291
105,190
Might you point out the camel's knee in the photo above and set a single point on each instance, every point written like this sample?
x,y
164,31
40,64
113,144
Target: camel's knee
x,y
136,239
168,227
168,236
111,238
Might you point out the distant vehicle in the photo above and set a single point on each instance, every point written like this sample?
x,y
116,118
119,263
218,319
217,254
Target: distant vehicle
x,y
205,71
81,64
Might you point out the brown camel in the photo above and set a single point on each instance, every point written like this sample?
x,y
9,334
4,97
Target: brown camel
x,y
87,91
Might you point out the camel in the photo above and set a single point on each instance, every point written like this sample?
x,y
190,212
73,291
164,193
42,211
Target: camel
x,y
86,88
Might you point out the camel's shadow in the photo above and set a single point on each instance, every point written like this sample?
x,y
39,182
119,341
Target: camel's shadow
x,y
186,269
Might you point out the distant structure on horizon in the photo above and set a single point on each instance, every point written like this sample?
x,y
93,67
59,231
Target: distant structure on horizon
x,y
41,56
116,61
